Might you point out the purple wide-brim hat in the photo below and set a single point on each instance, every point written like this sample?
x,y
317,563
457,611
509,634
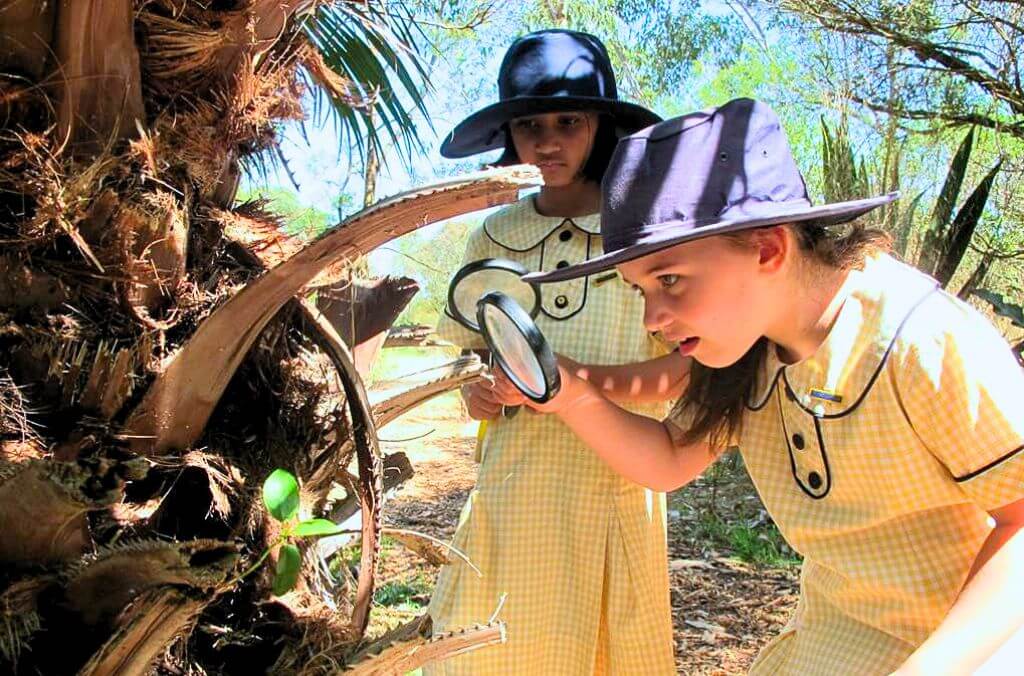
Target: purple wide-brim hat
x,y
709,173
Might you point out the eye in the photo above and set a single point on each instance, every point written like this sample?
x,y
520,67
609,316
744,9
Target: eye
x,y
637,290
569,120
668,281
524,124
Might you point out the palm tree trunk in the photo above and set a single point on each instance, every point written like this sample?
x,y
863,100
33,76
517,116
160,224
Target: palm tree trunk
x,y
153,370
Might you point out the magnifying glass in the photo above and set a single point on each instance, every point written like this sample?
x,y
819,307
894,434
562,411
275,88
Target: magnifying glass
x,y
479,278
519,347
476,280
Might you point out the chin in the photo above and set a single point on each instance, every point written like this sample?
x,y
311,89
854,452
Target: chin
x,y
715,360
556,179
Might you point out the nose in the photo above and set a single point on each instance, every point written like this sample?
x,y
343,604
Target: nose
x,y
656,315
547,141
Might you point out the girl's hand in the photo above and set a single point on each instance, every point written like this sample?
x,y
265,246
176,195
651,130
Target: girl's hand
x,y
573,388
481,401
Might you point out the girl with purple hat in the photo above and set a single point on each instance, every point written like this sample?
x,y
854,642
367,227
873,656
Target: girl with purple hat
x,y
577,552
881,419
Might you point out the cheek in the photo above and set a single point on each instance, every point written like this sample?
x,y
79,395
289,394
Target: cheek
x,y
524,149
721,312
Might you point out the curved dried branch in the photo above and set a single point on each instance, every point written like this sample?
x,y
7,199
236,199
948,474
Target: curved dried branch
x,y
412,653
178,404
419,335
430,383
371,486
147,628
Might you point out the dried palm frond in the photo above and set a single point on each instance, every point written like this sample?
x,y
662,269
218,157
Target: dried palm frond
x,y
19,615
102,584
43,504
178,56
145,631
62,190
15,412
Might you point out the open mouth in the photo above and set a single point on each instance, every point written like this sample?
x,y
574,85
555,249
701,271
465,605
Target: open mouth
x,y
688,346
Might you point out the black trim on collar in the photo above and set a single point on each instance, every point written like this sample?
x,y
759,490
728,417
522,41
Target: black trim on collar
x,y
994,463
878,369
792,458
769,391
586,280
540,240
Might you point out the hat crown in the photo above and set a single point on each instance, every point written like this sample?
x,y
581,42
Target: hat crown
x,y
722,164
556,62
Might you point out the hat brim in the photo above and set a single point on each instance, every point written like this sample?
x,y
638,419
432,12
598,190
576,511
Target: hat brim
x,y
482,131
826,214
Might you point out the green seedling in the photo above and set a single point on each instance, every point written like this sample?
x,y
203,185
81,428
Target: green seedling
x,y
281,498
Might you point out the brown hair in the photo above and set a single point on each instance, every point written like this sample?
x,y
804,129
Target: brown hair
x,y
715,399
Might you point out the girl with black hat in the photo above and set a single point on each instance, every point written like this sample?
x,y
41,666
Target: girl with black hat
x,y
577,553
880,418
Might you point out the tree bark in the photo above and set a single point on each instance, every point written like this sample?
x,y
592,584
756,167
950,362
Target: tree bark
x,y
98,81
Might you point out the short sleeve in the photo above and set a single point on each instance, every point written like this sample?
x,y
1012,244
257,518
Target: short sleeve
x,y
477,248
963,392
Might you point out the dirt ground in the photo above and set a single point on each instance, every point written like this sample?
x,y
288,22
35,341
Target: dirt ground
x,y
724,608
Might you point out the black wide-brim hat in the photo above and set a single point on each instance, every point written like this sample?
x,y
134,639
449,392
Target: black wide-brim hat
x,y
708,173
547,71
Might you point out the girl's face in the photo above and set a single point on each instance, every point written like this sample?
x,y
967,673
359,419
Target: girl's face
x,y
557,143
713,296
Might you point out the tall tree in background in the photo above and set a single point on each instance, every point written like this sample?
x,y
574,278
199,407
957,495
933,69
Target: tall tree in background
x,y
961,61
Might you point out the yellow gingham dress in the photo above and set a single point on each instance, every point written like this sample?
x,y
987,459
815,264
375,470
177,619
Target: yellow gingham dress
x,y
579,551
878,457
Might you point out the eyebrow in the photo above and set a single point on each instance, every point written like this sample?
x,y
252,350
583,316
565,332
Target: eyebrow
x,y
654,272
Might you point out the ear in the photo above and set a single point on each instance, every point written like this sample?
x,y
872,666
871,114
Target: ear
x,y
774,247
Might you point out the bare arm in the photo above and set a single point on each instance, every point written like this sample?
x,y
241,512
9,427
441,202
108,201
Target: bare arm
x,y
659,379
635,446
990,608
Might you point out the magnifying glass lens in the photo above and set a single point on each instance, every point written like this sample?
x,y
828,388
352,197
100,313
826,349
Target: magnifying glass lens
x,y
517,355
478,284
519,347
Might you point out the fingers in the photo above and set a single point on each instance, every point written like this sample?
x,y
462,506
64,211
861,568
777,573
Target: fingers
x,y
504,391
480,402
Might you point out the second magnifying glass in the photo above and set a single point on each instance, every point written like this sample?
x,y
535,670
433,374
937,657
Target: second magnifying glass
x,y
476,280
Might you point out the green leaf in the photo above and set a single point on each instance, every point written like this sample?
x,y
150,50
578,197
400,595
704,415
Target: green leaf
x,y
376,50
316,527
963,226
905,229
289,562
934,245
281,494
1003,307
